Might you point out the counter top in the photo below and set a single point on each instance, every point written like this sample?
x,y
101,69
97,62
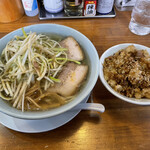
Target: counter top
x,y
123,126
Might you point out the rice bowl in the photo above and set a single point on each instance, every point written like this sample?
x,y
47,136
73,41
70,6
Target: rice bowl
x,y
110,52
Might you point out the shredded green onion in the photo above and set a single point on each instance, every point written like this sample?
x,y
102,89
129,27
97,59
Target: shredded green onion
x,y
75,61
58,58
54,79
29,59
19,38
24,33
60,49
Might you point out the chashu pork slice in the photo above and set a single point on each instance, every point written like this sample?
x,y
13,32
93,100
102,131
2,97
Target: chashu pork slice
x,y
74,49
71,78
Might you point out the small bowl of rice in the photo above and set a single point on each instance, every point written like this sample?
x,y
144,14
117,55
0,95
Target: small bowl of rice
x,y
124,71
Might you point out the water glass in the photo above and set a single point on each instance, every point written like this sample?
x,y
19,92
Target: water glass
x,y
140,18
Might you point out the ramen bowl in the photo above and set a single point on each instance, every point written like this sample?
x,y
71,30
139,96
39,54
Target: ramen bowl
x,y
90,54
110,52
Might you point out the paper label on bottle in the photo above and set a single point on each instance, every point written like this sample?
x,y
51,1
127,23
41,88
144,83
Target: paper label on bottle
x,y
29,5
90,8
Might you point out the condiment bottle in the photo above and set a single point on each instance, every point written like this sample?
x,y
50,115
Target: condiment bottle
x,y
105,6
90,7
30,7
53,6
73,7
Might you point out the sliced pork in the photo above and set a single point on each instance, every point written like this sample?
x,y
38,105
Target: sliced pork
x,y
71,78
74,49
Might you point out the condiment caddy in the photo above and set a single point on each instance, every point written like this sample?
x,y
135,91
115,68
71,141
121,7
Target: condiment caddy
x,y
89,11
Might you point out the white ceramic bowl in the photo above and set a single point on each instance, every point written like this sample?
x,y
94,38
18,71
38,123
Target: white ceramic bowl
x,y
110,52
90,53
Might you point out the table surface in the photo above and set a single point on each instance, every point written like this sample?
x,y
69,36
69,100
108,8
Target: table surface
x,y
123,126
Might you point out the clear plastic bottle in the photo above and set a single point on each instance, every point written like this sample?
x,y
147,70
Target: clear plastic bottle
x,y
30,7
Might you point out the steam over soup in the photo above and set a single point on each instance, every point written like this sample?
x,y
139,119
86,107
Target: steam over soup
x,y
38,72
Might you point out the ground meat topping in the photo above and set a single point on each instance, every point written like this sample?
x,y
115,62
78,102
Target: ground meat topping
x,y
128,72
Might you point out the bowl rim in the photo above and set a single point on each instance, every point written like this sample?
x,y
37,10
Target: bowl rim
x,y
69,107
108,87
